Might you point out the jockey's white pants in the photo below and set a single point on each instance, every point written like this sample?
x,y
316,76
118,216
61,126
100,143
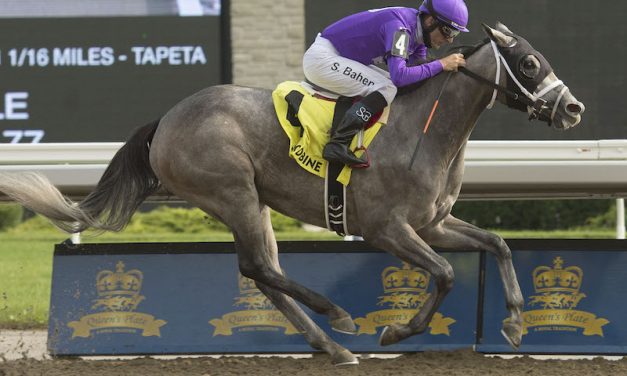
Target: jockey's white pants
x,y
324,67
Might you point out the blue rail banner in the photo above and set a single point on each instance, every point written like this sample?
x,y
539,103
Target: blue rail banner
x,y
164,298
190,298
574,300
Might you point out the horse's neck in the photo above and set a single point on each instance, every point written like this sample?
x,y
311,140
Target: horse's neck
x,y
461,104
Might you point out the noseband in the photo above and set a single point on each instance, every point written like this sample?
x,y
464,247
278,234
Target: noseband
x,y
536,105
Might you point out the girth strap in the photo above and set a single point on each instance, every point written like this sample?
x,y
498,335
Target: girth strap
x,y
334,191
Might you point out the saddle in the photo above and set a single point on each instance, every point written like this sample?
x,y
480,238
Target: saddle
x,y
307,115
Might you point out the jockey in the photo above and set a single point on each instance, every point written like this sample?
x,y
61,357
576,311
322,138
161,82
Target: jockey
x,y
346,58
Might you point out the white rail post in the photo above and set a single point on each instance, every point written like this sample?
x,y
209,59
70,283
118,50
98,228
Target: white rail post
x,y
353,238
76,238
620,218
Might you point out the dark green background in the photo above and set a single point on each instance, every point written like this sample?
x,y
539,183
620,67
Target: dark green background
x,y
583,40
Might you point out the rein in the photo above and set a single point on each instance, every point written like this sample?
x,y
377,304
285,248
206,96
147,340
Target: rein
x,y
534,102
536,105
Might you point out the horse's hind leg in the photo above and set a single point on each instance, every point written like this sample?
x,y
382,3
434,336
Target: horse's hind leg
x,y
315,336
454,233
402,241
247,226
236,202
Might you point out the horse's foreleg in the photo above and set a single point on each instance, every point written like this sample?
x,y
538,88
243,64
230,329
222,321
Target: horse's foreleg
x,y
453,233
315,336
403,242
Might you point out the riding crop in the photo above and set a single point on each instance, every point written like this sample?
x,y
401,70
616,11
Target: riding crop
x,y
424,131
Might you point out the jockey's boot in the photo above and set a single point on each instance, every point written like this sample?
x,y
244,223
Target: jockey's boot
x,y
355,119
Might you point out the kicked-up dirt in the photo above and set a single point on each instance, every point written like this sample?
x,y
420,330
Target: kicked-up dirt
x,y
455,363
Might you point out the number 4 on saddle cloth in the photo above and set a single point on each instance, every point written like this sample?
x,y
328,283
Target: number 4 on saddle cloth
x,y
306,117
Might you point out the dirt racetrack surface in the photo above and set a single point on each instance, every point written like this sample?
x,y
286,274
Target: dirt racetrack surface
x,y
457,363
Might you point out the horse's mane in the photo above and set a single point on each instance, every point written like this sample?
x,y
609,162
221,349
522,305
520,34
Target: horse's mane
x,y
466,50
469,50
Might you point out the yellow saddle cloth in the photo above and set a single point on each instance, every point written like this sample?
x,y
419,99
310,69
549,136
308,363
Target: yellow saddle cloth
x,y
315,115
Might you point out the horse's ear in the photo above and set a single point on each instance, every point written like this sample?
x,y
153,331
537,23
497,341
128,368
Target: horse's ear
x,y
503,28
499,37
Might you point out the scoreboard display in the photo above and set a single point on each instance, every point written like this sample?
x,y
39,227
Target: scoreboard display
x,y
96,79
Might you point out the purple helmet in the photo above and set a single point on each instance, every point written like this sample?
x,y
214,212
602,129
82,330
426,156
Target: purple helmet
x,y
450,12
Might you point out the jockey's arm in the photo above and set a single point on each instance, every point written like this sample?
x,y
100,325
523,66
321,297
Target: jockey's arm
x,y
402,74
401,64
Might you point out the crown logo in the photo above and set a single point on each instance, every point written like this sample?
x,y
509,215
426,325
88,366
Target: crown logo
x,y
119,290
118,297
246,285
258,313
406,293
404,287
251,297
557,279
404,279
558,287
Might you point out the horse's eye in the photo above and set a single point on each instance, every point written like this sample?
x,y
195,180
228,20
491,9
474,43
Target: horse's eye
x,y
529,66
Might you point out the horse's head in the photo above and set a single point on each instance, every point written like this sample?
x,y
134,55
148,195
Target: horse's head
x,y
530,76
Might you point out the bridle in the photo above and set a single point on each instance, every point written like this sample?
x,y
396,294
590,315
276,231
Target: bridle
x,y
535,103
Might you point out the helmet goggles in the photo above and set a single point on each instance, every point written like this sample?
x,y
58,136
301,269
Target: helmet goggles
x,y
448,31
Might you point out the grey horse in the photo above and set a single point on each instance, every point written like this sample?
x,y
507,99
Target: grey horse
x,y
223,150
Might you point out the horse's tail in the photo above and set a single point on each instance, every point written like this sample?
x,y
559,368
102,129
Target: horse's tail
x,y
125,184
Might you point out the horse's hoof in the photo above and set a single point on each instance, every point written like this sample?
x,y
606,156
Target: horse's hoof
x,y
344,325
513,334
391,334
344,358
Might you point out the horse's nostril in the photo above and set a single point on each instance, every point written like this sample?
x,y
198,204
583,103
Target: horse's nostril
x,y
575,108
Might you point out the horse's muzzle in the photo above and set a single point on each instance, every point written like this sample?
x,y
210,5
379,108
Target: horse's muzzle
x,y
576,108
